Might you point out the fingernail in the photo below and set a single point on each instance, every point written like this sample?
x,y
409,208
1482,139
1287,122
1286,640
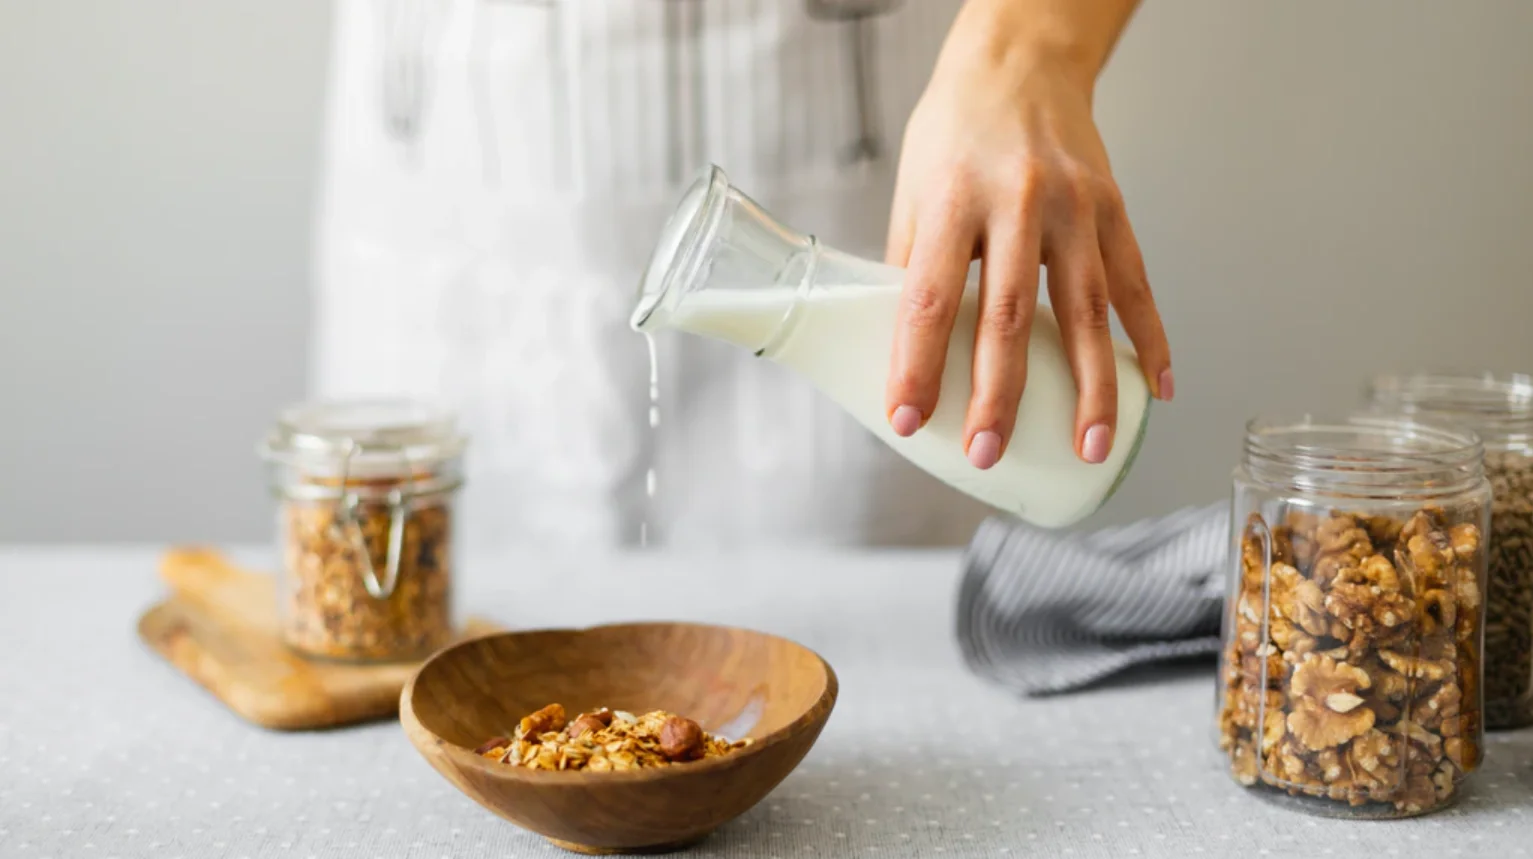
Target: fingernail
x,y
1167,385
1096,444
905,420
984,449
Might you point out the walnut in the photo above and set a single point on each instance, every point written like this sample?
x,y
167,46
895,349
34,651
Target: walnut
x,y
1318,686
1373,752
1467,589
1299,529
1439,610
1382,530
1286,762
1376,570
1421,669
1384,711
1245,707
1282,546
1251,667
1341,534
1243,765
1387,683
1353,604
1333,767
1341,544
1252,562
1418,794
1304,604
1289,637
1440,710
1465,539
1248,624
1464,753
1298,600
1421,744
1427,559
1445,779
1423,521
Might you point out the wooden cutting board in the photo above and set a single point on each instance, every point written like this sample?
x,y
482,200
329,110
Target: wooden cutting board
x,y
219,627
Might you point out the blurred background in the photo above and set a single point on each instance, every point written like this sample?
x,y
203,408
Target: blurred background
x,y
1323,190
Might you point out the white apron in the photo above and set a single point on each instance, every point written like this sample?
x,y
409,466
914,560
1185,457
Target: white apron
x,y
495,172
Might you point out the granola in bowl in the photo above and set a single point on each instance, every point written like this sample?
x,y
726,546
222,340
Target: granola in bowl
x,y
605,740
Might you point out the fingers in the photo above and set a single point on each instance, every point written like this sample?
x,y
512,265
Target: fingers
x,y
939,261
1078,292
1008,297
1129,289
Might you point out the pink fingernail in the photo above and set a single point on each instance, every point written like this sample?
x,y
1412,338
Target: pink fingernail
x,y
1096,444
905,420
1167,385
984,449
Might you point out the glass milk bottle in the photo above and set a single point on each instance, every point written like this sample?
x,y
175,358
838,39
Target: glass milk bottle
x,y
725,268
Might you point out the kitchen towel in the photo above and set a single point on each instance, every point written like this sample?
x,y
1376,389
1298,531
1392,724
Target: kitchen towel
x,y
1042,612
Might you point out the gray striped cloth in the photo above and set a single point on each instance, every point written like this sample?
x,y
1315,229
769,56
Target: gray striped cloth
x,y
1042,612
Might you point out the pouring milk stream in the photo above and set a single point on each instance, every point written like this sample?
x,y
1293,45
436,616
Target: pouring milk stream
x,y
724,268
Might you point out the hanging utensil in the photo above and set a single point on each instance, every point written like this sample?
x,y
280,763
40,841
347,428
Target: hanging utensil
x,y
481,40
408,28
855,15
682,34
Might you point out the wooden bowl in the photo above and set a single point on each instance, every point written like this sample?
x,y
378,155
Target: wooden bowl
x,y
733,682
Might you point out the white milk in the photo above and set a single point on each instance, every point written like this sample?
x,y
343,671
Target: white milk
x,y
840,339
654,424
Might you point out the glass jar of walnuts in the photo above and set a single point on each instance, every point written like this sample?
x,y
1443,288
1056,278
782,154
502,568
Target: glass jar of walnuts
x,y
1349,681
365,527
1499,409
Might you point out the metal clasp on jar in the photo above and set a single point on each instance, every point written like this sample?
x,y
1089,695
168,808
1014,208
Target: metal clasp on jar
x,y
346,526
400,500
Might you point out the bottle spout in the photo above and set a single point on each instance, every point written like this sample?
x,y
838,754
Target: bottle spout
x,y
721,252
675,260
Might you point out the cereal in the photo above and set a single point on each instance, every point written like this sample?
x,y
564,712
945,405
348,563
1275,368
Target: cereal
x,y
1361,689
604,741
328,610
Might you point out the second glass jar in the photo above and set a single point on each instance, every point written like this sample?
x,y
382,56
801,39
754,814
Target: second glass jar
x,y
1350,677
1499,409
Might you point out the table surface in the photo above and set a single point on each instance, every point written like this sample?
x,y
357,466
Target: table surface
x,y
106,751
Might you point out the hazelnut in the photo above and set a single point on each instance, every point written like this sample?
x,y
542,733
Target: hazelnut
x,y
681,739
585,723
492,744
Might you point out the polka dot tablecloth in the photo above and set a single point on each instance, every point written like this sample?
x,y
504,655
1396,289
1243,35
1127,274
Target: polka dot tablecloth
x,y
105,751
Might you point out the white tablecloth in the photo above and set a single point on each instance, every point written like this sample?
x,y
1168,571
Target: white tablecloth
x,y
106,751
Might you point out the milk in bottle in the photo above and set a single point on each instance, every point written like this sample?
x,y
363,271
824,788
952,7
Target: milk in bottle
x,y
725,269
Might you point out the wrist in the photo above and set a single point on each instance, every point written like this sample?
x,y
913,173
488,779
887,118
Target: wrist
x,y
1021,40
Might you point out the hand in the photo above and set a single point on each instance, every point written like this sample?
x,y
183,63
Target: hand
x,y
1002,161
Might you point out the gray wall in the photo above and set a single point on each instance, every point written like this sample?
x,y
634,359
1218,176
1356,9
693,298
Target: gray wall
x,y
1323,189
156,165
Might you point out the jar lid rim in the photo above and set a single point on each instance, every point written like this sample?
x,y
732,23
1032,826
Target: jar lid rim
x,y
1489,394
1362,438
366,432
